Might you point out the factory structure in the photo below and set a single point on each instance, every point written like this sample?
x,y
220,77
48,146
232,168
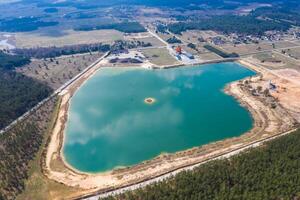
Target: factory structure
x,y
182,55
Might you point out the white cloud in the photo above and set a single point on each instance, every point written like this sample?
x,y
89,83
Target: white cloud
x,y
170,91
81,133
170,75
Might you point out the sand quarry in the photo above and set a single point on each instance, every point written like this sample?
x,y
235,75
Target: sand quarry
x,y
269,121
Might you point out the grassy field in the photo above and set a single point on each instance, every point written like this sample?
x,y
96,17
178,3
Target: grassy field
x,y
276,60
242,49
201,49
57,71
35,39
189,50
165,37
293,53
284,44
154,41
289,62
193,35
209,56
159,56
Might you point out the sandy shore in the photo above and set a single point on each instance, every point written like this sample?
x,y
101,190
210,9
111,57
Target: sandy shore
x,y
268,122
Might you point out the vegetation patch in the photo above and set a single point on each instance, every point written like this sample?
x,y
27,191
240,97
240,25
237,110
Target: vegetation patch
x,y
231,24
220,53
162,29
9,62
285,15
173,40
126,27
51,52
159,56
18,94
24,24
19,146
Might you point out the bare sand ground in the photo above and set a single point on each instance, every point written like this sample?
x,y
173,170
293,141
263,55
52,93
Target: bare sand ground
x,y
287,82
268,121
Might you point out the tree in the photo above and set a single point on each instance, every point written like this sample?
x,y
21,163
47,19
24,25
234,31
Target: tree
x,y
267,92
191,45
259,89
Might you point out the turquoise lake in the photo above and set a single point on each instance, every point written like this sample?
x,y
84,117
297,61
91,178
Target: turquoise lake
x,y
110,125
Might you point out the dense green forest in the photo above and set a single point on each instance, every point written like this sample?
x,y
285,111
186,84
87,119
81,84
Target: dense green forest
x,y
9,62
18,94
51,52
18,147
285,14
126,27
230,24
268,172
18,150
24,24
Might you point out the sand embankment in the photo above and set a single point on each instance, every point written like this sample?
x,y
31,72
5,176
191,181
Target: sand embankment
x,y
268,122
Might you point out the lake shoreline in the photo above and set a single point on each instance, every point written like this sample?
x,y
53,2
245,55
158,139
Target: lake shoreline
x,y
165,163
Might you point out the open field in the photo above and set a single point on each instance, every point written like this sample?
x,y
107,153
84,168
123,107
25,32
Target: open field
x,y
33,39
165,37
284,44
287,81
154,41
242,49
276,60
201,49
159,56
209,56
193,35
297,42
189,50
57,71
294,53
130,36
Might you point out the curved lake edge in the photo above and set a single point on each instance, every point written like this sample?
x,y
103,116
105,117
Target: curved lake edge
x,y
77,176
225,90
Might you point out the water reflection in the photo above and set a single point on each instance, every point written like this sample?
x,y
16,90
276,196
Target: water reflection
x,y
110,125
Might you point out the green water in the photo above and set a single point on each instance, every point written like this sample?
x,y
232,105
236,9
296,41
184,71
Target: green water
x,y
109,124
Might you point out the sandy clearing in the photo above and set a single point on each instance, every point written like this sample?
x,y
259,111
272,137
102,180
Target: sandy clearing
x,y
288,86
